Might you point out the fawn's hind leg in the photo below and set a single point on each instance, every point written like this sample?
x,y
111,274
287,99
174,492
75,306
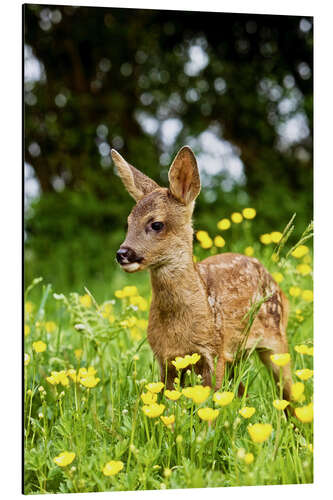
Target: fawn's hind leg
x,y
265,356
219,373
275,342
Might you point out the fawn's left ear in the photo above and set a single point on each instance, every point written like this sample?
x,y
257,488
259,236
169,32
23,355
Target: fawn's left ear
x,y
184,176
136,183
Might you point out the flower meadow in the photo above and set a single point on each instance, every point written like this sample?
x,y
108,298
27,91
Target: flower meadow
x,y
98,418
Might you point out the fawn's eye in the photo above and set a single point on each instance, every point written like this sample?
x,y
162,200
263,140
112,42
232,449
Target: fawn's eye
x,y
157,226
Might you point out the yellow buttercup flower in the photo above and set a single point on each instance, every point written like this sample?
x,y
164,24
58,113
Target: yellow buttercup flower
x,y
295,291
280,404
87,377
249,251
128,322
173,395
276,236
304,374
29,307
249,213
236,217
299,316
303,269
78,353
223,398
202,235
136,334
119,294
247,411
266,239
280,359
307,295
72,374
154,410
206,243
278,277
107,309
248,458
198,393
208,414
60,378
300,251
259,432
52,379
65,458
142,324
149,398
26,359
297,391
181,363
188,391
275,257
50,326
140,302
39,346
112,468
89,381
91,371
304,349
130,291
111,318
168,421
305,413
155,387
85,300
224,224
26,330
219,242
194,358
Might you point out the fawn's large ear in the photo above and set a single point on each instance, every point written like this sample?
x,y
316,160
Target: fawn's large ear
x,y
136,183
184,176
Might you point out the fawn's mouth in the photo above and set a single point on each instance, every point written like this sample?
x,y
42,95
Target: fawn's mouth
x,y
131,267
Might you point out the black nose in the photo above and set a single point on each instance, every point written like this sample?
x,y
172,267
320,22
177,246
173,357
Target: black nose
x,y
127,255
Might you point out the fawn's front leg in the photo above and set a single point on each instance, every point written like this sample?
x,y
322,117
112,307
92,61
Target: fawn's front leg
x,y
219,374
168,374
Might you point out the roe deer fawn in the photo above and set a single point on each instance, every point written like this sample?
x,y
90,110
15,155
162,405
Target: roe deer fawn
x,y
199,307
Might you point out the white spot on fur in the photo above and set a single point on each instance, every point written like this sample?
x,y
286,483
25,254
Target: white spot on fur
x,y
211,301
218,321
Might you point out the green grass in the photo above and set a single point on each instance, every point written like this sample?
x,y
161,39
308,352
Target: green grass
x,y
106,422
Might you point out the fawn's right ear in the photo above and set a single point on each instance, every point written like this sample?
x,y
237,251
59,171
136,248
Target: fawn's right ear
x,y
184,176
136,183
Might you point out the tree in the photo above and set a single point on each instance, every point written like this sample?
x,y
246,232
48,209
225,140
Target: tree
x,y
117,77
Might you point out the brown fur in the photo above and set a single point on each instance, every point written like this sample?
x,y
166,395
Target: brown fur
x,y
198,308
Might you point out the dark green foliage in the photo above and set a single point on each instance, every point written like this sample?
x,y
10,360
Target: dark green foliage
x,y
110,65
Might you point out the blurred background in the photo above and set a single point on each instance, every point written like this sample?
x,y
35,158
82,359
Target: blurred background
x,y
237,88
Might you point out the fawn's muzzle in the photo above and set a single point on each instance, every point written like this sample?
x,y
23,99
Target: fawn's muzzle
x,y
126,256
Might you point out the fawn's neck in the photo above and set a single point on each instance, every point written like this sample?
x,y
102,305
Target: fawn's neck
x,y
177,286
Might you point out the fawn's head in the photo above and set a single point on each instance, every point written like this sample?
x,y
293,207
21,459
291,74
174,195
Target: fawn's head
x,y
159,226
